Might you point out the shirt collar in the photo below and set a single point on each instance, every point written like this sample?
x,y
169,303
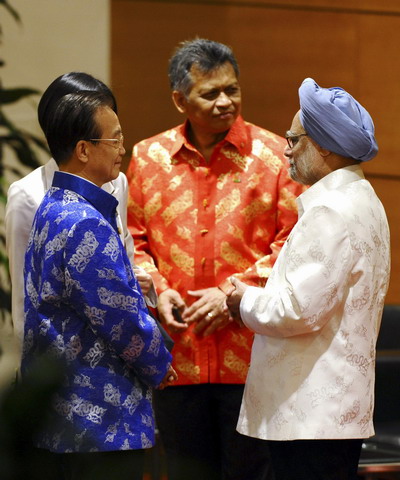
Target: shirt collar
x,y
102,201
332,181
236,136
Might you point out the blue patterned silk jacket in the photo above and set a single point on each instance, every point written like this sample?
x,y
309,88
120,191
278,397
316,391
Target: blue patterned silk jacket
x,y
84,306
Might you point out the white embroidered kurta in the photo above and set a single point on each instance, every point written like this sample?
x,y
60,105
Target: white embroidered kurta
x,y
318,317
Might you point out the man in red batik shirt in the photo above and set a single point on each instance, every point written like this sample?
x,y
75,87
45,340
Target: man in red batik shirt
x,y
208,199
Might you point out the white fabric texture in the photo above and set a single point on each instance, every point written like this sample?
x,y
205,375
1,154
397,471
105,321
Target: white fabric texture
x,y
317,319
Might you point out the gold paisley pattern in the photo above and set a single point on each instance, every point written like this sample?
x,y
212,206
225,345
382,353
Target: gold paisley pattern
x,y
158,236
233,257
164,267
160,155
175,182
235,363
254,180
148,183
193,214
236,232
241,161
184,233
187,367
257,207
239,339
222,180
152,206
267,156
217,266
182,260
288,200
177,207
227,205
170,134
135,209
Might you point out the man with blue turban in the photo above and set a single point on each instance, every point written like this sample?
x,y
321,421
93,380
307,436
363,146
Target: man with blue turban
x,y
310,387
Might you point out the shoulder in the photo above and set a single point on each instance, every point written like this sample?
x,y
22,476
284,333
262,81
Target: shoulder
x,y
264,134
33,186
262,138
166,138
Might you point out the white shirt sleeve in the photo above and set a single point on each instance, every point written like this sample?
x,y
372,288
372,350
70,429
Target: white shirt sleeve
x,y
309,279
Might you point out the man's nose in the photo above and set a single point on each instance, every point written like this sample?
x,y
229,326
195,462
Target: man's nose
x,y
223,100
287,151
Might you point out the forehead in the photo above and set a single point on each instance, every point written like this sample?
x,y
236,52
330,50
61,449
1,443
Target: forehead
x,y
224,74
107,120
296,126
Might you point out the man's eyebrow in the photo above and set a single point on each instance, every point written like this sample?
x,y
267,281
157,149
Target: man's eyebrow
x,y
117,131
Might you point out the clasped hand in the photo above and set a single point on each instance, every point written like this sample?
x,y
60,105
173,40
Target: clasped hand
x,y
208,311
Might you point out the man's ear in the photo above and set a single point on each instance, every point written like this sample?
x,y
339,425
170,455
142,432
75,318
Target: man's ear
x,y
82,151
179,101
321,150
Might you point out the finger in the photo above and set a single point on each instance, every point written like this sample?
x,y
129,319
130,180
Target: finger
x,y
200,326
196,293
176,327
171,323
220,322
197,315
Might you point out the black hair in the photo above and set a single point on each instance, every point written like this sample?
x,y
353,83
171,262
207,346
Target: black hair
x,y
73,119
72,82
207,55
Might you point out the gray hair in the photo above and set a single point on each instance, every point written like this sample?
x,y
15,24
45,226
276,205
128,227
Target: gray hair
x,y
205,54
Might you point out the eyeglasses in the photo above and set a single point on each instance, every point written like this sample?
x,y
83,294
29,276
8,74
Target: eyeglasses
x,y
117,143
293,139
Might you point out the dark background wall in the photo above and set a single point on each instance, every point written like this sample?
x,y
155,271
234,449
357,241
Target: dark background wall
x,y
354,44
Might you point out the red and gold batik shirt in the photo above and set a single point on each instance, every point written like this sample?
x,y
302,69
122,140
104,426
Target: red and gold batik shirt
x,y
196,223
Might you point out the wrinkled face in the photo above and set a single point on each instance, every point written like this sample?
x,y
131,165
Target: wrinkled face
x,y
105,155
304,160
214,101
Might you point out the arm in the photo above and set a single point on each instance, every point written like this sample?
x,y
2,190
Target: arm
x,y
145,280
106,295
20,211
285,218
309,281
137,225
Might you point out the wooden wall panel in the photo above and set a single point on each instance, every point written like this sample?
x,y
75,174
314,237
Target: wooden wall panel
x,y
350,43
388,191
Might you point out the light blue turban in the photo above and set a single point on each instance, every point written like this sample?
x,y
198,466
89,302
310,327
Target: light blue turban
x,y
336,121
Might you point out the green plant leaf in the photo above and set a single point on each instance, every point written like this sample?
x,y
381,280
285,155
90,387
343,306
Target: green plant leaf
x,y
11,10
22,149
11,95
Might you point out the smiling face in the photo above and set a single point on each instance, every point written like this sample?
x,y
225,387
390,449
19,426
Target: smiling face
x,y
105,158
214,101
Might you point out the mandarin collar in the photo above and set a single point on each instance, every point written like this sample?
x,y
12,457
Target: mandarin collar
x,y
332,181
102,201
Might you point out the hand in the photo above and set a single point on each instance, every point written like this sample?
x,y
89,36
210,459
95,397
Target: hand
x,y
145,280
170,377
208,311
234,298
167,300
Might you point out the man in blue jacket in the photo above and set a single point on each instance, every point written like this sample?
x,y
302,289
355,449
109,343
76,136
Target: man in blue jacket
x,y
84,306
